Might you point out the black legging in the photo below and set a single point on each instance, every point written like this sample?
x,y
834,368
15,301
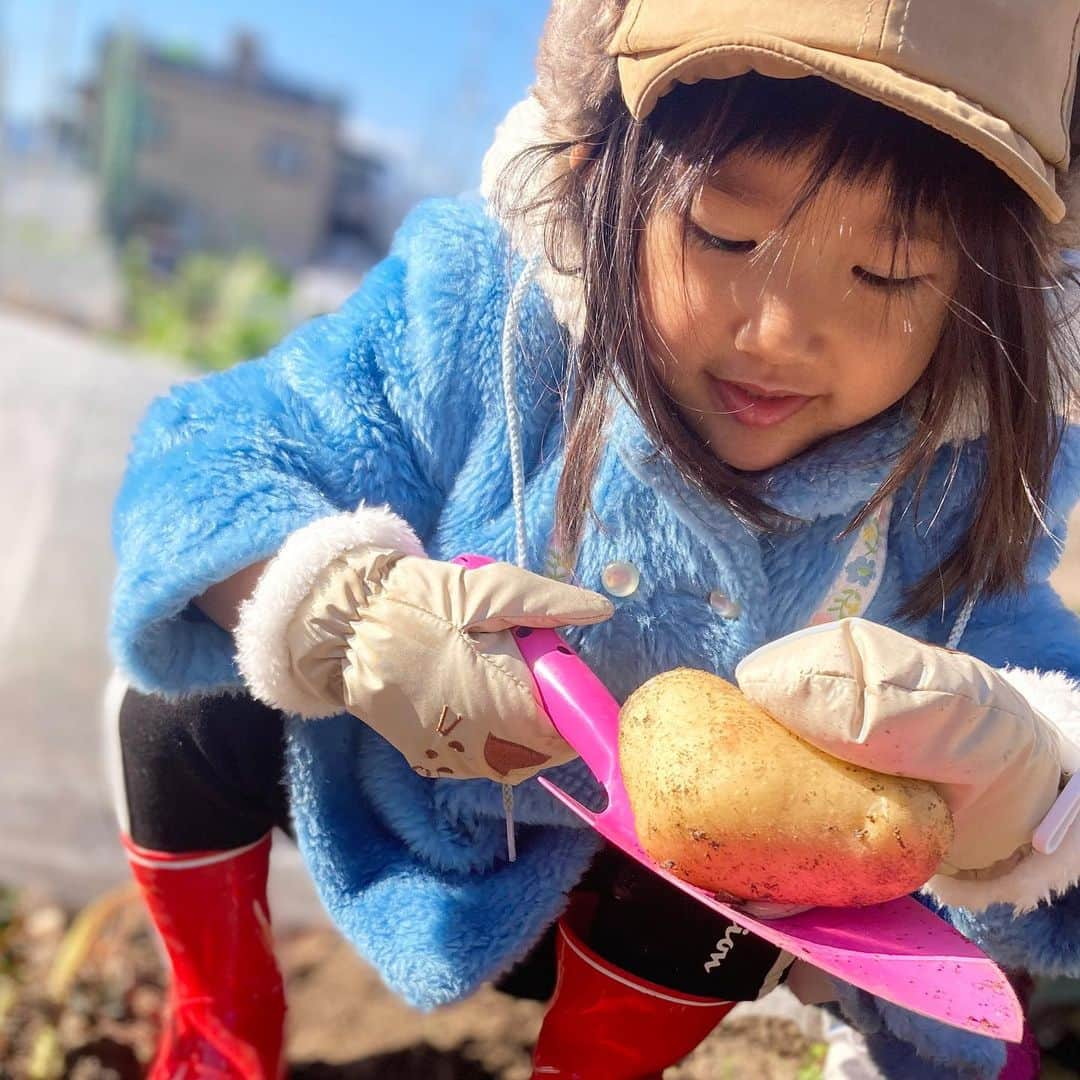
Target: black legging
x,y
202,773
205,774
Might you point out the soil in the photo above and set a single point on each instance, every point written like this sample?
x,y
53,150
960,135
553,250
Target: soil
x,y
82,998
84,1003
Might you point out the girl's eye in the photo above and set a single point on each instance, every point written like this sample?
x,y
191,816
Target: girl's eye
x,y
877,281
718,243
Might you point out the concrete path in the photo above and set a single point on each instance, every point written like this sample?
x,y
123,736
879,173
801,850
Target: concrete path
x,y
68,405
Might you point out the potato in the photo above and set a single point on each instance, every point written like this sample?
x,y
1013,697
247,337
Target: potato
x,y
727,798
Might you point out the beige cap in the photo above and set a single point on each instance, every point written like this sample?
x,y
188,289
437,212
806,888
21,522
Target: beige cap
x,y
999,75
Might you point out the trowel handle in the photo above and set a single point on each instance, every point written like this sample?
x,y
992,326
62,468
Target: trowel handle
x,y
577,702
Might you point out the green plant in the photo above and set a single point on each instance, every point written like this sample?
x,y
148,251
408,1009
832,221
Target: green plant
x,y
212,311
9,960
813,1062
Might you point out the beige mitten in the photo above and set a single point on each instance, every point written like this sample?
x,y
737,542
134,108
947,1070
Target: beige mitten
x,y
420,650
880,699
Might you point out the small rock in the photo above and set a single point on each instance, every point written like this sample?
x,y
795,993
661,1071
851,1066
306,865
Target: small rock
x,y
44,922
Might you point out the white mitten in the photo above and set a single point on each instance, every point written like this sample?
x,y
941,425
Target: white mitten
x,y
880,699
418,649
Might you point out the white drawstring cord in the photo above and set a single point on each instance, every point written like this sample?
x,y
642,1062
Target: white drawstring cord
x,y
962,620
513,415
510,339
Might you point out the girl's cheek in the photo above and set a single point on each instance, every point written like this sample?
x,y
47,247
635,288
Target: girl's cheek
x,y
922,329
674,292
692,281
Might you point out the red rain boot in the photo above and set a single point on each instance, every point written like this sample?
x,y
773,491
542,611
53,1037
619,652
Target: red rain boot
x,y
1023,1060
226,1012
606,1024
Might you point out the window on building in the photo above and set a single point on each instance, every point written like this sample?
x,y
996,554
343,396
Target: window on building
x,y
285,156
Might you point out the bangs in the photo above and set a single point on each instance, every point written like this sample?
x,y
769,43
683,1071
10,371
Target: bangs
x,y
844,137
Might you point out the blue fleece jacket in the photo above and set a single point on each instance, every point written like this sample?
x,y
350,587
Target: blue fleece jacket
x,y
397,399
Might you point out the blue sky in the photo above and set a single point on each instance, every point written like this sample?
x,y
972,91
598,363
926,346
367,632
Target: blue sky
x,y
431,78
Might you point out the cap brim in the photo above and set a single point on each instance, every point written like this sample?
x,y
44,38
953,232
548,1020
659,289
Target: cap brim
x,y
646,77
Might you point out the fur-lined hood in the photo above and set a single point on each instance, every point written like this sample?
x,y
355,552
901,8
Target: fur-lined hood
x,y
574,76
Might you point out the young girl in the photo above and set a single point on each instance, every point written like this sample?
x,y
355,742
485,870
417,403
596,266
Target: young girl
x,y
760,325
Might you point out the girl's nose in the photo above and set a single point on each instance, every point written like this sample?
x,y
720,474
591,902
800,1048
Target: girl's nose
x,y
776,322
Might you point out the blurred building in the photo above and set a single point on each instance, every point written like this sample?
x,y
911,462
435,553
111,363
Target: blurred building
x,y
197,156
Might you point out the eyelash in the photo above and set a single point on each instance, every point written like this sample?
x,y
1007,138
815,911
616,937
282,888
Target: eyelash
x,y
876,281
718,243
743,247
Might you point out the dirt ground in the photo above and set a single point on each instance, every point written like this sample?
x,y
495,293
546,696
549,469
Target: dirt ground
x,y
83,1003
82,999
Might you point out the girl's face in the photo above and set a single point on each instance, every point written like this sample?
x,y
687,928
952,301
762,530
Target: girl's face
x,y
768,348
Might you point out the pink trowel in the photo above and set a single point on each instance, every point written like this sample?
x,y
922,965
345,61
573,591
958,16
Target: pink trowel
x,y
899,951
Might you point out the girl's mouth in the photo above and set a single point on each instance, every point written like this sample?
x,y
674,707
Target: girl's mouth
x,y
754,406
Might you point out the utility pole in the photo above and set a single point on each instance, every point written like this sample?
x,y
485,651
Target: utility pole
x,y
118,118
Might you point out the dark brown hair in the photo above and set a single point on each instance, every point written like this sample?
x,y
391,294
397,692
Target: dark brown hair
x,y
1001,355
